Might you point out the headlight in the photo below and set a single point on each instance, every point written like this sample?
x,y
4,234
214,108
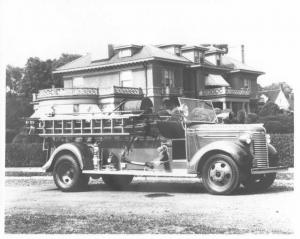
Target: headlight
x,y
245,138
268,138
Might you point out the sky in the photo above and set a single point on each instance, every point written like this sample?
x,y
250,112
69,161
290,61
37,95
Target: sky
x,y
48,28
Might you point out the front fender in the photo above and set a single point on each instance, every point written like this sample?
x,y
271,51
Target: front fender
x,y
238,151
81,152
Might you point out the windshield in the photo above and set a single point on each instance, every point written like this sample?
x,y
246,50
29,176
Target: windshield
x,y
198,110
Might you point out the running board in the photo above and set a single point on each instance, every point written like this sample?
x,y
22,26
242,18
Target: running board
x,y
141,173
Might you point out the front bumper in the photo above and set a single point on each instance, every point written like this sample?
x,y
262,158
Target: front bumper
x,y
268,170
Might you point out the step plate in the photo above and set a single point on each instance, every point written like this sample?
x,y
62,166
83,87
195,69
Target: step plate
x,y
145,173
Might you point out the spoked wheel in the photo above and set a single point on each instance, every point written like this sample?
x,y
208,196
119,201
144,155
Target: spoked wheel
x,y
220,174
256,183
67,174
117,181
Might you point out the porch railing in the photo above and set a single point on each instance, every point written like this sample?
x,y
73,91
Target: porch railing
x,y
224,91
63,92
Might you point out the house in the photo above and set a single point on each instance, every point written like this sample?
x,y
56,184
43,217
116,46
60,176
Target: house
x,y
162,73
230,84
275,96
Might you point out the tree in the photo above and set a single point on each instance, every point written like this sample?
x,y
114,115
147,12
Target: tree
x,y
287,89
13,78
37,75
22,82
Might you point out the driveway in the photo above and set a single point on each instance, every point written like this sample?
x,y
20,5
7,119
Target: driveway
x,y
152,205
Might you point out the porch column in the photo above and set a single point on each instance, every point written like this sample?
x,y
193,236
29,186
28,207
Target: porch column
x,y
248,107
230,105
244,106
224,105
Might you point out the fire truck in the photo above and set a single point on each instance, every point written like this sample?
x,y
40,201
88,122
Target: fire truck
x,y
185,142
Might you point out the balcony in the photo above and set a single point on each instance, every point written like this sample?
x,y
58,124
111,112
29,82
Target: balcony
x,y
119,90
224,91
63,92
86,92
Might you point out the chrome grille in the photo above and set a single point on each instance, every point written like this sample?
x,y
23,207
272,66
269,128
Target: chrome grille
x,y
260,148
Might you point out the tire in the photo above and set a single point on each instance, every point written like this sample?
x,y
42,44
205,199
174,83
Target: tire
x,y
220,175
259,183
117,181
67,174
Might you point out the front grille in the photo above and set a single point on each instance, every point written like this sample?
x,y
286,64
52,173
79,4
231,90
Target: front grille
x,y
260,148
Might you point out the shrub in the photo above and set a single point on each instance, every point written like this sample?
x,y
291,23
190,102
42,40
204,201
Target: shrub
x,y
284,144
269,108
24,155
241,117
278,124
251,118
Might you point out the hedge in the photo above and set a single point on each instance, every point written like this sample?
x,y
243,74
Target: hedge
x,y
281,123
31,155
24,155
284,143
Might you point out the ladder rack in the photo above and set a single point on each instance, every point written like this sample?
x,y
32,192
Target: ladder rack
x,y
118,125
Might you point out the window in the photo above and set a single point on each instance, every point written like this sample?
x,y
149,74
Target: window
x,y
78,82
126,78
197,57
76,108
168,78
246,83
177,51
125,53
218,59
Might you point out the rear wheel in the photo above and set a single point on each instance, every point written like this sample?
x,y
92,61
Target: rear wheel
x,y
259,183
67,174
220,174
117,181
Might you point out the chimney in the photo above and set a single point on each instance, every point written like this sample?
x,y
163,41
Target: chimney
x,y
110,49
243,53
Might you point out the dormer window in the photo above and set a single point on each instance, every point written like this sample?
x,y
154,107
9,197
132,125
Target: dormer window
x,y
202,56
174,49
196,57
218,59
177,51
125,53
194,53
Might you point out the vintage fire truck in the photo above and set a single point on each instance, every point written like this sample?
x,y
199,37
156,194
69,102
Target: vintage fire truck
x,y
187,142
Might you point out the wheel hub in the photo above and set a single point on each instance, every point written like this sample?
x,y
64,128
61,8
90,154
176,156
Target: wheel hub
x,y
67,177
220,172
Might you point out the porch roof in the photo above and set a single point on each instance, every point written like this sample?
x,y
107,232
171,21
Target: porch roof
x,y
215,80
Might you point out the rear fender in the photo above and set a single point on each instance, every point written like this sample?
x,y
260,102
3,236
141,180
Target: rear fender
x,y
238,151
81,152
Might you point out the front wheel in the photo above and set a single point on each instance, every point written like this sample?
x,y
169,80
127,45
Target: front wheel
x,y
259,183
67,174
117,181
220,174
